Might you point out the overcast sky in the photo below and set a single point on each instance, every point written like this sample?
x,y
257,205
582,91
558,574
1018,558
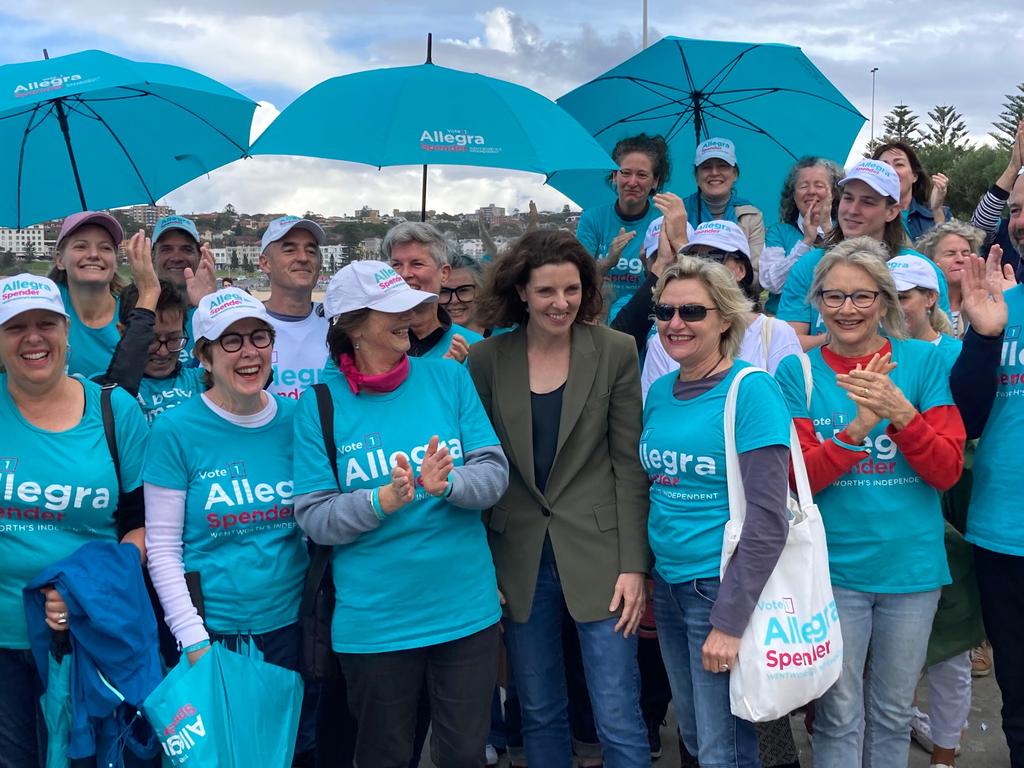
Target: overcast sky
x,y
927,53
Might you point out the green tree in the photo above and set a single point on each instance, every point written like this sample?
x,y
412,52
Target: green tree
x,y
334,264
971,171
6,261
29,251
1012,114
901,124
234,261
946,129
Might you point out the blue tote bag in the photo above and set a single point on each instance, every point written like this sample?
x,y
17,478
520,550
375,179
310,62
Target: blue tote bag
x,y
228,710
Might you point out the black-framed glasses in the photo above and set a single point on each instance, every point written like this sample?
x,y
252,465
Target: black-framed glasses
x,y
690,313
261,338
860,299
173,343
465,293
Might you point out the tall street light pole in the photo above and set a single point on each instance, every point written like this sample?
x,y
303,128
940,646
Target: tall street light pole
x,y
645,24
873,70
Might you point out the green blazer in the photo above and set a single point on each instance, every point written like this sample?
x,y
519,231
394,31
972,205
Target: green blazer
x,y
595,505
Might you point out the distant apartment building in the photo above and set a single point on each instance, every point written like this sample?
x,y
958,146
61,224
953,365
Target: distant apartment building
x,y
472,247
371,215
147,215
492,214
369,248
24,242
340,254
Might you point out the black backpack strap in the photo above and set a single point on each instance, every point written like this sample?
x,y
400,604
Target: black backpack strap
x,y
325,407
107,409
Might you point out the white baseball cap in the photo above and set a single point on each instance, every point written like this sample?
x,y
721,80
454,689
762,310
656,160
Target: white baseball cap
x,y
25,292
282,225
721,235
913,272
371,285
880,176
720,148
218,310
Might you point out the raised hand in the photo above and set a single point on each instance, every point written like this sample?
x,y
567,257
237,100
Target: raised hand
x,y
204,279
615,250
940,186
982,284
139,250
674,211
458,350
437,466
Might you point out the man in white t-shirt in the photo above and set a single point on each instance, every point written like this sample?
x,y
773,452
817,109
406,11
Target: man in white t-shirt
x,y
291,260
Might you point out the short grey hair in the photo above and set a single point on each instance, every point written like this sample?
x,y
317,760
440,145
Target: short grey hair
x,y
871,256
726,294
416,232
928,243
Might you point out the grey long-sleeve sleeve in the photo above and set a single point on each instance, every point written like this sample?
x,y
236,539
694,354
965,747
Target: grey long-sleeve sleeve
x,y
330,517
765,473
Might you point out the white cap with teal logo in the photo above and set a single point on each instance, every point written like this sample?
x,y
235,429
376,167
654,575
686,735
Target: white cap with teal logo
x,y
219,310
721,235
168,223
880,176
913,272
371,285
282,225
25,292
723,149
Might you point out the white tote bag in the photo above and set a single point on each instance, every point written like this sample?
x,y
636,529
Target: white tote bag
x,y
792,649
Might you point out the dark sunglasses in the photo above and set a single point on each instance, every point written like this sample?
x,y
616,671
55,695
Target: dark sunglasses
x,y
690,313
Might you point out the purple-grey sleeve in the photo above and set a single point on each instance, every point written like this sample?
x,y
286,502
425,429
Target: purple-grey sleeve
x,y
765,473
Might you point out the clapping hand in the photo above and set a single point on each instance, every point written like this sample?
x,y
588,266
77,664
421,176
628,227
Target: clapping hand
x,y
402,488
203,280
619,242
674,223
940,186
875,393
437,466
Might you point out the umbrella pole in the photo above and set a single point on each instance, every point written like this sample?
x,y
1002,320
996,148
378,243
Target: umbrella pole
x,y
423,197
62,119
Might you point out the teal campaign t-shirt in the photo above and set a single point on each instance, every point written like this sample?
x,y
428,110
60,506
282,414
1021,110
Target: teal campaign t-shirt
x,y
441,348
597,228
883,522
425,575
793,307
240,532
157,396
91,348
949,350
58,490
682,449
995,519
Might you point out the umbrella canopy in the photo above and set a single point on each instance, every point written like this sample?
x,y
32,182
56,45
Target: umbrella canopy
x,y
768,99
92,130
431,115
56,704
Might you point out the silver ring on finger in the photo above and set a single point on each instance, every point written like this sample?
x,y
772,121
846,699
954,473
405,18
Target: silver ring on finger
x,y
724,668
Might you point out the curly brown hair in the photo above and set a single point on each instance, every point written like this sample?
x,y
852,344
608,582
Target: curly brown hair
x,y
499,304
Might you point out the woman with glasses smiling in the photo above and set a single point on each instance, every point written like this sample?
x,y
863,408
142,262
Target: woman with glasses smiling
x,y
702,316
219,499
882,440
458,295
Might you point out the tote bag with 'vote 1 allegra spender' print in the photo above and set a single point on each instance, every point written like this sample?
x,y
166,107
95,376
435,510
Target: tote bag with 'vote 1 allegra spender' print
x,y
792,650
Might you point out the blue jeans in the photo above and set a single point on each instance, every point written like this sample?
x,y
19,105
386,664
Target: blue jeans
x,y
701,699
896,628
613,680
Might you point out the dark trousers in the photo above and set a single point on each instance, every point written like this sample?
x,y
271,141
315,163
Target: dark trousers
x,y
283,647
384,694
1001,584
22,737
655,691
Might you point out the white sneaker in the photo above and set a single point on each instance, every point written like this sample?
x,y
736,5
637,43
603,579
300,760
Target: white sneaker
x,y
490,755
921,730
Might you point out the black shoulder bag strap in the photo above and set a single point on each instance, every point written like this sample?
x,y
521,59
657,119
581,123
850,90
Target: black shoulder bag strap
x,y
107,409
321,554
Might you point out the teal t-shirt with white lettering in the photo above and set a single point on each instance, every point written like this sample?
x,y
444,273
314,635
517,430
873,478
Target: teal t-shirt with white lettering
x,y
239,532
58,490
883,522
425,575
682,449
157,396
793,306
995,520
90,349
597,228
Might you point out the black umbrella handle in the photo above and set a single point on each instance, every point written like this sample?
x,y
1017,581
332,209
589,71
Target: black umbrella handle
x,y
60,644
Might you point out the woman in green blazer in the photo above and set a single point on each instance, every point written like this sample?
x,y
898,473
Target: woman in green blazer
x,y
563,395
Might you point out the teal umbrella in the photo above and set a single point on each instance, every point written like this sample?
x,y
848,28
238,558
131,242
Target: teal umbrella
x,y
769,100
56,702
430,115
92,130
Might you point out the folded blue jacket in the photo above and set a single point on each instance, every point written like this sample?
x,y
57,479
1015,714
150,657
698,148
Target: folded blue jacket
x,y
113,641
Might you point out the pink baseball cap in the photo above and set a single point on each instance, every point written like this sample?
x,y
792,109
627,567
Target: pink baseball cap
x,y
99,218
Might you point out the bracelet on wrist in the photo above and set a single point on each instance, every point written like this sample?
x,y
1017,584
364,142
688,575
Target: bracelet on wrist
x,y
378,510
197,646
850,447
